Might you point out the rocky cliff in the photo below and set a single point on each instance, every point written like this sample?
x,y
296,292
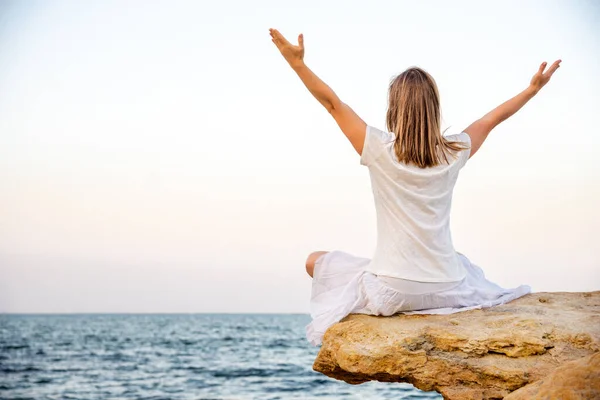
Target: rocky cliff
x,y
477,354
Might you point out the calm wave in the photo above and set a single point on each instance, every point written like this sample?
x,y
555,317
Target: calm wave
x,y
170,356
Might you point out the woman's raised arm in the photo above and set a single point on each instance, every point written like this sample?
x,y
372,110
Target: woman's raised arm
x,y
479,130
349,122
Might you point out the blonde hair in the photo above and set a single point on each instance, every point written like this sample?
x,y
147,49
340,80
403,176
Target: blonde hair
x,y
414,117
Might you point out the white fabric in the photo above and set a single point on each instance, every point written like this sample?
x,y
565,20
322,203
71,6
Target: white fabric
x,y
415,268
416,287
413,212
341,286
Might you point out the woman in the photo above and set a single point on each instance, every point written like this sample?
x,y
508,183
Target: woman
x,y
413,169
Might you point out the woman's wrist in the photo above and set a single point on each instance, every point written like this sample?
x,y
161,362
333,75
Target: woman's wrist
x,y
532,90
296,64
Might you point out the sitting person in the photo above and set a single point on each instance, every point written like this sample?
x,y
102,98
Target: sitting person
x,y
413,169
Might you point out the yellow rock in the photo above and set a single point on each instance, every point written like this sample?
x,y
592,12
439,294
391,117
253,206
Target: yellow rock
x,y
575,380
477,354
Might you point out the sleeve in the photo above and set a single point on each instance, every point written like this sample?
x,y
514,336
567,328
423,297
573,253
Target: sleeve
x,y
465,154
375,140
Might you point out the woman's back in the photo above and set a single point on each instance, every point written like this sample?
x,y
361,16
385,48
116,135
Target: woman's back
x,y
413,212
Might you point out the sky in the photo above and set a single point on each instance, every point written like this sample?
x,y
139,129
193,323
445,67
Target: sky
x,y
162,156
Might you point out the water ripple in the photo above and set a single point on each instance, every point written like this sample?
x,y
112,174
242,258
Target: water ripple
x,y
178,356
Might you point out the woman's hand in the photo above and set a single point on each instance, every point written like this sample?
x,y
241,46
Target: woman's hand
x,y
541,78
294,55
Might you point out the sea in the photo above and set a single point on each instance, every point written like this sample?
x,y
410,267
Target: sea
x,y
170,356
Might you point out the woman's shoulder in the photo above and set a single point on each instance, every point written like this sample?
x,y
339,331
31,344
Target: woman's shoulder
x,y
381,134
464,153
459,137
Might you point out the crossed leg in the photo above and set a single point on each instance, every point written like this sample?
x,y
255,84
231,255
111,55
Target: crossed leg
x,y
310,261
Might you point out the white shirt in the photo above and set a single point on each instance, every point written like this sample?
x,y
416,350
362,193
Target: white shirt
x,y
413,212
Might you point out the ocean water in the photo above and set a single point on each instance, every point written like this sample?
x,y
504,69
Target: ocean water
x,y
170,356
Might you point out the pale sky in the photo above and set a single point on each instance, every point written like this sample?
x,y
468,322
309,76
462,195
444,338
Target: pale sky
x,y
163,157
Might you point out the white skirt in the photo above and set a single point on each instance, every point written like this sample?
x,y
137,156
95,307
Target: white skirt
x,y
341,286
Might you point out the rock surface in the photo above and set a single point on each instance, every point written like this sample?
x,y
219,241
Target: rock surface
x,y
476,354
575,380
